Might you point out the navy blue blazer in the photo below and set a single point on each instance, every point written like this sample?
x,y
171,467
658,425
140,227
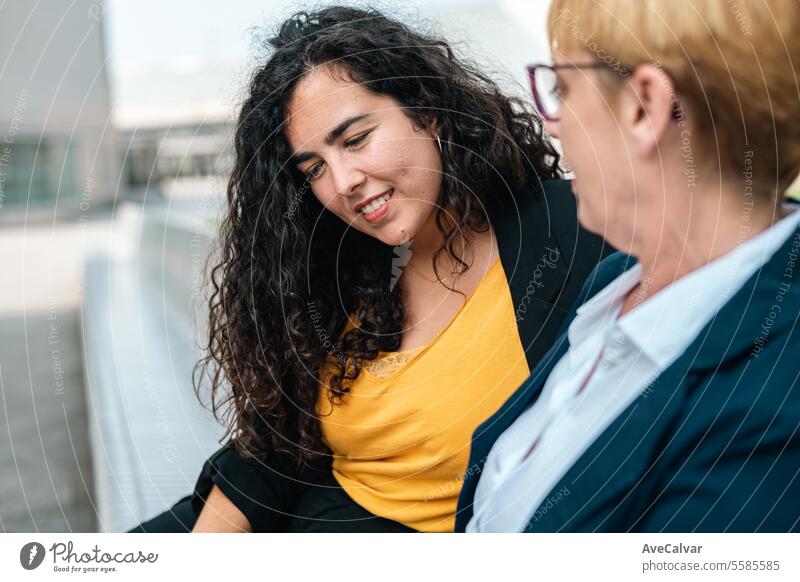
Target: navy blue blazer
x,y
713,445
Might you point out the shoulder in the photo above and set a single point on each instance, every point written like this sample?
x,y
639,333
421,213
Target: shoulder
x,y
557,208
542,217
552,199
546,210
749,393
536,200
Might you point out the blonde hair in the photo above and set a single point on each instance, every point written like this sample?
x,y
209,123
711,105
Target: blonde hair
x,y
734,65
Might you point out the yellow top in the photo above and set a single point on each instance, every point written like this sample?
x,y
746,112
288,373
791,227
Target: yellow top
x,y
401,437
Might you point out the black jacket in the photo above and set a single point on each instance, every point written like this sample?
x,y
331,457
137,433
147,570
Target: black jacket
x,y
546,256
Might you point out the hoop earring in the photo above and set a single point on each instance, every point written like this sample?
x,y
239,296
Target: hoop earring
x,y
438,141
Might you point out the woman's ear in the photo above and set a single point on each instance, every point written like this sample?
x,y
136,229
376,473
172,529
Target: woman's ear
x,y
646,108
432,125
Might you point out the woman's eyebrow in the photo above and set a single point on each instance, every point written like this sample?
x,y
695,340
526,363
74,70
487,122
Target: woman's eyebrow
x,y
337,131
332,136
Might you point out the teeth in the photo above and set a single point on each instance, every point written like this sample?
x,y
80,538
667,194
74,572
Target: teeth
x,y
375,204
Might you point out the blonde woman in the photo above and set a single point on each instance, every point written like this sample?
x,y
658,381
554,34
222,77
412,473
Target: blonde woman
x,y
671,401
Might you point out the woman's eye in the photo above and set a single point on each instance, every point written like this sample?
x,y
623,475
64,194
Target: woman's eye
x,y
356,141
315,172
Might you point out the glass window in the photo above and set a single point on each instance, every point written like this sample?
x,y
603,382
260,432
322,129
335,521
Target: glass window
x,y
37,173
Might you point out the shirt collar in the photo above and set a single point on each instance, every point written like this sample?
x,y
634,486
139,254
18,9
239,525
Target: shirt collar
x,y
602,309
665,325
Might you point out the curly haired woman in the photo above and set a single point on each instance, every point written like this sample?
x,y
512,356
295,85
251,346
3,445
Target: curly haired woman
x,y
399,251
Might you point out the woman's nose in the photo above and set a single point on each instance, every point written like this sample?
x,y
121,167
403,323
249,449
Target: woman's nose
x,y
346,179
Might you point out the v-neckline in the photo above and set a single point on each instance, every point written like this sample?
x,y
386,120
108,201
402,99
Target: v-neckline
x,y
415,353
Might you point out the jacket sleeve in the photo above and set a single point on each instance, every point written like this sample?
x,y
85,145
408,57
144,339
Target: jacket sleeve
x,y
263,492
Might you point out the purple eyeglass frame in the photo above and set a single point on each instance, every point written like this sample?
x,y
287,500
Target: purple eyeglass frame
x,y
677,112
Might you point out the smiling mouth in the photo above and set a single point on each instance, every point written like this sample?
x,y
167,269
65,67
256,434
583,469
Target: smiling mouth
x,y
376,203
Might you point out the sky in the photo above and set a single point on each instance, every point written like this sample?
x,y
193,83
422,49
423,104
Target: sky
x,y
192,57
144,30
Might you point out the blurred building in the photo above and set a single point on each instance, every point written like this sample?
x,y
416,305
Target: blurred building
x,y
56,142
184,160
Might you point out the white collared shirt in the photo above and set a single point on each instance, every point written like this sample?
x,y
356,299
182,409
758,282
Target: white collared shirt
x,y
627,355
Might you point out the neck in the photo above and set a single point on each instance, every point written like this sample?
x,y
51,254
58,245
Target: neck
x,y
426,242
689,238
430,239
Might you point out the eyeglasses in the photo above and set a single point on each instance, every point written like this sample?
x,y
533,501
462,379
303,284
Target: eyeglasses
x,y
544,86
546,97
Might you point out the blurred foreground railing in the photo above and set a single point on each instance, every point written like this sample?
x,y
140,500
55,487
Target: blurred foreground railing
x,y
143,304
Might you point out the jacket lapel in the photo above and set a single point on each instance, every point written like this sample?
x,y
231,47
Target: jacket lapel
x,y
607,471
534,262
604,476
488,432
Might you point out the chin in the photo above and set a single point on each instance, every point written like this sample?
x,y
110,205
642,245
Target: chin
x,y
394,238
395,231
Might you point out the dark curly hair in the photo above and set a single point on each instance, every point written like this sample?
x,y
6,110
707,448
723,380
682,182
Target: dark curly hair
x,y
289,274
